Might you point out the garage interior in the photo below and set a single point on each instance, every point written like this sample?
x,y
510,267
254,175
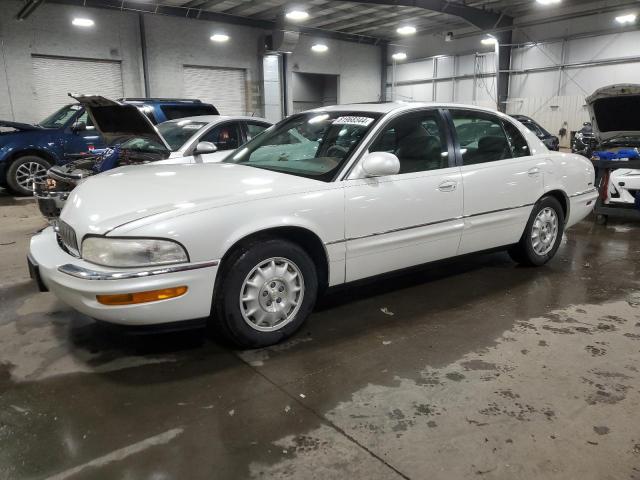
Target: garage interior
x,y
468,368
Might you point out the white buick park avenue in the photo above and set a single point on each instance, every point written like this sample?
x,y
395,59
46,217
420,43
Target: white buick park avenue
x,y
323,198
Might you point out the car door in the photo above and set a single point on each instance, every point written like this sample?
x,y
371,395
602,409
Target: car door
x,y
81,136
410,218
501,179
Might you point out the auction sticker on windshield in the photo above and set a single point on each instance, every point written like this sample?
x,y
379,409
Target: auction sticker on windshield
x,y
364,121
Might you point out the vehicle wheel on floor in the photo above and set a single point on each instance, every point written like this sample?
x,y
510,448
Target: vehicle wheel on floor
x,y
22,173
266,291
542,235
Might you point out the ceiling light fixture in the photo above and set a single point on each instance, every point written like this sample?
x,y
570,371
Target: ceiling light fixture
x,y
399,56
219,37
320,48
548,2
406,30
297,15
489,41
83,22
627,19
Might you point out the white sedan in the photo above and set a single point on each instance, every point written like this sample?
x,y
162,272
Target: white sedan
x,y
251,242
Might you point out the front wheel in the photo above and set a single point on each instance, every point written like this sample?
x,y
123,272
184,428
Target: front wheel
x,y
266,292
24,172
542,235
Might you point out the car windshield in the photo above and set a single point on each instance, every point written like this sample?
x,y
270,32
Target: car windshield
x,y
176,133
60,118
143,145
312,145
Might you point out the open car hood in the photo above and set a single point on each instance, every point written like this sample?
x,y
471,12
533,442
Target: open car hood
x,y
615,112
118,122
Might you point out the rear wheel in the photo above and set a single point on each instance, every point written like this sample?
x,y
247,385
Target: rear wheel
x,y
542,235
266,292
24,172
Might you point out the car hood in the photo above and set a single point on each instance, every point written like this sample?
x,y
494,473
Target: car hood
x,y
109,200
118,122
19,126
615,112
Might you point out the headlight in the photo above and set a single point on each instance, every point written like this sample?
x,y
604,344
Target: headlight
x,y
125,252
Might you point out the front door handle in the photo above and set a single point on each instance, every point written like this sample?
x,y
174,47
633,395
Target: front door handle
x,y
534,172
448,186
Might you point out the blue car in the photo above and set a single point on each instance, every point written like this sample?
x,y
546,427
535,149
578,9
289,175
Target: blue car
x,y
28,151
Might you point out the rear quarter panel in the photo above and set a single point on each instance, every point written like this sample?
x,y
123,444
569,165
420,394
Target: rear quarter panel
x,y
574,175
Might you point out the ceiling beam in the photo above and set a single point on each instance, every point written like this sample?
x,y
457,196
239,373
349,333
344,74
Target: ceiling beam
x,y
197,14
477,17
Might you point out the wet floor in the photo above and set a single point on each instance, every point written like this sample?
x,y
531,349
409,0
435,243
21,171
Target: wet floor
x,y
475,368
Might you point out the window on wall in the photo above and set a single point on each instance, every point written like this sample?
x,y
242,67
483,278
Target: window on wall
x,y
519,145
417,139
481,137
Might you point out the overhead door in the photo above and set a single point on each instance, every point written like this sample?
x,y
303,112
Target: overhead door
x,y
55,77
223,87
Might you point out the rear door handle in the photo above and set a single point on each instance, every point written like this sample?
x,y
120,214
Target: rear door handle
x,y
448,186
534,172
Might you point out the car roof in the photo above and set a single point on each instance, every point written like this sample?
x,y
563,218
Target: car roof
x,y
388,107
218,119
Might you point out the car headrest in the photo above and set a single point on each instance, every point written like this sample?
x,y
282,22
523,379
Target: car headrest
x,y
492,144
418,147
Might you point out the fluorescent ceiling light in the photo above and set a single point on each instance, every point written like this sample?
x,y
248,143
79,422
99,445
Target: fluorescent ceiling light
x,y
406,30
219,37
625,19
399,56
320,48
83,22
297,15
489,41
548,2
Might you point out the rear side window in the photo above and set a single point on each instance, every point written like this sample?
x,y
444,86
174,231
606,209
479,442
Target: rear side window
x,y
173,112
519,145
481,137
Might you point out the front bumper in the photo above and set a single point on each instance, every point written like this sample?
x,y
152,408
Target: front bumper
x,y
77,283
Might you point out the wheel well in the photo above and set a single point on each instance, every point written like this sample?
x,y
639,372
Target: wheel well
x,y
564,201
37,153
306,239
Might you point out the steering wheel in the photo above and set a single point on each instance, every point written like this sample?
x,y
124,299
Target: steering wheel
x,y
340,150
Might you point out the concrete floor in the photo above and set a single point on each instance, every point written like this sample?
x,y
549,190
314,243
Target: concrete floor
x,y
472,369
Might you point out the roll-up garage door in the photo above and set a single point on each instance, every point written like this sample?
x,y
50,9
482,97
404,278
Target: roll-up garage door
x,y
223,87
54,77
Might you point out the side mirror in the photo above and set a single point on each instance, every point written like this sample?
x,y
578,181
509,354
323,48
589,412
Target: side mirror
x,y
79,127
204,148
380,164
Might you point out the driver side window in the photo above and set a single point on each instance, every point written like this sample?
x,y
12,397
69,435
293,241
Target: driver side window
x,y
418,140
225,137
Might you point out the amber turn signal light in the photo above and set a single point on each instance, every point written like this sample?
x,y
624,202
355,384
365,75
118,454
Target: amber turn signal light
x,y
141,297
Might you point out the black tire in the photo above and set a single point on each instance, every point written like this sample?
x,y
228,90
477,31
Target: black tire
x,y
523,252
17,185
227,319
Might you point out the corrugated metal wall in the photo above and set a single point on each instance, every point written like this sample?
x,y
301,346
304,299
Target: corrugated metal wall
x,y
226,88
55,77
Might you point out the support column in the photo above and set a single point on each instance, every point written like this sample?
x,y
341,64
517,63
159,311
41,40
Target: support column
x,y
504,65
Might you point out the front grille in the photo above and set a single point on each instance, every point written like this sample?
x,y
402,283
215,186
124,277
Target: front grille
x,y
67,238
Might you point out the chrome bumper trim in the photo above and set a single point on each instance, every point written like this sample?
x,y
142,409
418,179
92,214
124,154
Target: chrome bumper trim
x,y
88,274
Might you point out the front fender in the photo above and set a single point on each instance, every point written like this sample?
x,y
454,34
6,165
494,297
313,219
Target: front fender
x,y
209,234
